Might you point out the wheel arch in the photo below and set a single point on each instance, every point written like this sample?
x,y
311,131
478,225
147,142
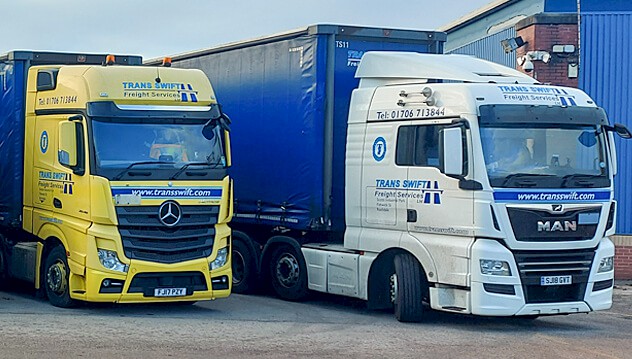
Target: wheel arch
x,y
47,246
378,285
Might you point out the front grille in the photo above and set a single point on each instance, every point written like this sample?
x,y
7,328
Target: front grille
x,y
533,265
146,283
146,238
530,225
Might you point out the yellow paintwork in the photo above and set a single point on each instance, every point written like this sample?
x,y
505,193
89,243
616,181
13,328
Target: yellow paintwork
x,y
87,219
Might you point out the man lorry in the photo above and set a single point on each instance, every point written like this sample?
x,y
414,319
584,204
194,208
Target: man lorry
x,y
442,180
114,180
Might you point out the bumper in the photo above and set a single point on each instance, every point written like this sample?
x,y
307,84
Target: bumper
x,y
505,295
142,278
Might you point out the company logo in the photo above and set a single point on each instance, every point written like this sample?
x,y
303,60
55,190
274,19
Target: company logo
x,y
557,226
44,142
557,208
379,149
169,213
354,57
174,91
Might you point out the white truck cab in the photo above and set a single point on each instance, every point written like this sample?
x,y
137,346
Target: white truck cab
x,y
473,188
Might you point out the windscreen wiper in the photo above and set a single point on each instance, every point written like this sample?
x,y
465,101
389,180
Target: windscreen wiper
x,y
582,180
120,175
183,168
520,176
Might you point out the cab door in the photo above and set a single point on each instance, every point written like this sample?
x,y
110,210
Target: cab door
x,y
439,212
61,193
383,208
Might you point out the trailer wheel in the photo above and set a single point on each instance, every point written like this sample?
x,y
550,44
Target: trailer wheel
x,y
406,288
288,273
244,269
56,278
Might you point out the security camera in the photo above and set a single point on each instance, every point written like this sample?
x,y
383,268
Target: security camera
x,y
527,65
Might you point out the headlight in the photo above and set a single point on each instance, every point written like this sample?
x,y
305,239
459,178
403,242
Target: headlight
x,y
110,260
220,260
606,265
494,267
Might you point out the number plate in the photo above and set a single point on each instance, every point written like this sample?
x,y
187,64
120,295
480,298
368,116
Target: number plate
x,y
556,280
170,292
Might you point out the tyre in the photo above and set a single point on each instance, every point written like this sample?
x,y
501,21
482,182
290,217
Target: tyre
x,y
288,273
56,274
406,288
244,267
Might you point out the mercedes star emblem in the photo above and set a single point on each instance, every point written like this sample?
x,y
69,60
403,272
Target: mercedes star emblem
x,y
169,213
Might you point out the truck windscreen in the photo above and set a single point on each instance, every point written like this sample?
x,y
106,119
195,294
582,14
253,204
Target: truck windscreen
x,y
544,155
159,148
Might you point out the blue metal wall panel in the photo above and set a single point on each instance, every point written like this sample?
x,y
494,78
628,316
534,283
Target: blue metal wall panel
x,y
489,48
606,75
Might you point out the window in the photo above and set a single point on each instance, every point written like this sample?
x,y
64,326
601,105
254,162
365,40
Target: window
x,y
418,146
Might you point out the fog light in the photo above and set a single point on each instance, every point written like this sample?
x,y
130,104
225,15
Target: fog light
x,y
220,260
110,261
494,267
606,265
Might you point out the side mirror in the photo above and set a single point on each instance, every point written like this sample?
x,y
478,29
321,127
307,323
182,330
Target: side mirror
x,y
622,131
67,154
452,151
222,121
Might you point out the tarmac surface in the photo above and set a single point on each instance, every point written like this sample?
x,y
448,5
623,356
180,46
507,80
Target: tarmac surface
x,y
324,326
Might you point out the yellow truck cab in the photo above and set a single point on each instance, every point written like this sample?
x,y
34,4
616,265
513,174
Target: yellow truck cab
x,y
122,174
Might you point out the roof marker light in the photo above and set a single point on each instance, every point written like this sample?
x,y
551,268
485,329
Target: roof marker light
x,y
110,60
166,62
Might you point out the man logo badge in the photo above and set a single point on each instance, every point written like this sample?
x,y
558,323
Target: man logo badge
x,y
557,208
169,213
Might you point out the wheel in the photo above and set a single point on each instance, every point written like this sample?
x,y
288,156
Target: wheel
x,y
288,273
56,274
406,288
244,268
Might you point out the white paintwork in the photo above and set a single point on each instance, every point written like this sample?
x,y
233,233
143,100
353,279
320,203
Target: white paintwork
x,y
411,65
454,227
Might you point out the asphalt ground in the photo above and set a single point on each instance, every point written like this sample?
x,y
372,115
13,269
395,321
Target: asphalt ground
x,y
324,326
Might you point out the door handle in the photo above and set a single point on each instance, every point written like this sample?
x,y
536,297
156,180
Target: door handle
x,y
412,215
56,203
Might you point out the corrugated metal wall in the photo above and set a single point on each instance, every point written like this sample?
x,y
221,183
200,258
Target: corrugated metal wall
x,y
489,48
606,75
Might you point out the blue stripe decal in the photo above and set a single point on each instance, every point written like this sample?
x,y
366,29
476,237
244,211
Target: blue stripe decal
x,y
162,192
551,196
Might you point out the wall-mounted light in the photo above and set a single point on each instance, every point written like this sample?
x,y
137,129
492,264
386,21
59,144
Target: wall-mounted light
x,y
512,44
563,49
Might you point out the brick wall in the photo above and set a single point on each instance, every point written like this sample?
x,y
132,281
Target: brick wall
x,y
541,32
623,257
